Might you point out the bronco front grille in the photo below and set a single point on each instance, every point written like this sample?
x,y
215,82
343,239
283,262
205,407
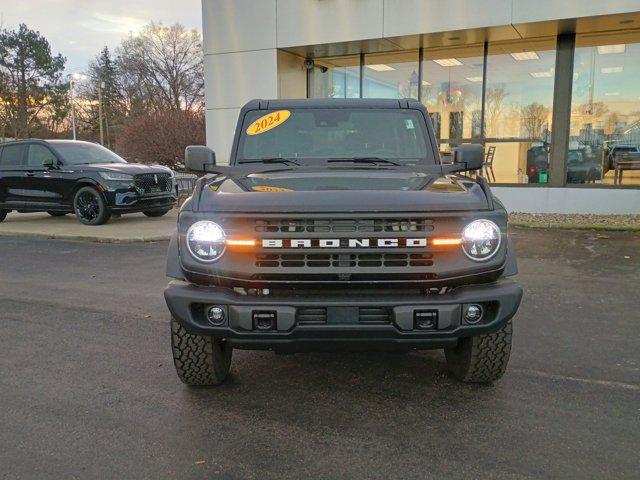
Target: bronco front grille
x,y
153,182
329,260
321,225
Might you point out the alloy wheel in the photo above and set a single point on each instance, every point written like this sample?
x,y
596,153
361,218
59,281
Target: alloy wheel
x,y
87,206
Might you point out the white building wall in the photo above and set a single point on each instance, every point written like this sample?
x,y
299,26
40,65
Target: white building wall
x,y
240,63
525,11
309,22
292,76
410,17
600,201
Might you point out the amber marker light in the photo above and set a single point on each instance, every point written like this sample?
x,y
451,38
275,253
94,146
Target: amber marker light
x,y
446,242
241,242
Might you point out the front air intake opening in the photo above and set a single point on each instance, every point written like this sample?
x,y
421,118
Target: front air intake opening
x,y
374,315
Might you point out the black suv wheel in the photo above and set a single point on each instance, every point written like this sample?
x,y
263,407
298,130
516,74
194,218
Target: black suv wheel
x,y
3,214
156,213
483,358
89,207
199,360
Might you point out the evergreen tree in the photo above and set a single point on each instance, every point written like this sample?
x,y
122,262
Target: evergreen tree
x,y
32,91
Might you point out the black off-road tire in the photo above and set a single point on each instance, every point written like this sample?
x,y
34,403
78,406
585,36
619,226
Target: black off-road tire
x,y
483,358
156,213
100,212
57,214
3,214
199,360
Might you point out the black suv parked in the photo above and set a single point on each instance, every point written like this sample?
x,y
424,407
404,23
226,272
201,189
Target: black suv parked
x,y
64,176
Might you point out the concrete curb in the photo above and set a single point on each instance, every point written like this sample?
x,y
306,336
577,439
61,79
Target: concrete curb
x,y
576,226
86,238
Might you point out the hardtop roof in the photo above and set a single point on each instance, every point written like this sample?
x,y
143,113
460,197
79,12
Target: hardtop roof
x,y
261,104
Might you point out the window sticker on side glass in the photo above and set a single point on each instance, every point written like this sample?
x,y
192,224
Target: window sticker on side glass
x,y
268,121
409,124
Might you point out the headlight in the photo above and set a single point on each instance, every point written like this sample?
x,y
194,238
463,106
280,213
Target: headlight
x,y
116,176
481,240
206,241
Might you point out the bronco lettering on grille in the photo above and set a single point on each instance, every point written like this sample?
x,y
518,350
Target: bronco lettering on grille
x,y
344,242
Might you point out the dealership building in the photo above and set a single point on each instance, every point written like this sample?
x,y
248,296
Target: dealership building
x,y
551,88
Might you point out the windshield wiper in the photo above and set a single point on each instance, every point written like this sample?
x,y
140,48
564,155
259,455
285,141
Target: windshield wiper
x,y
287,161
372,160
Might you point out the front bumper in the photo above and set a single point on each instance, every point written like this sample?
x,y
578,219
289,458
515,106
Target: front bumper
x,y
129,201
343,325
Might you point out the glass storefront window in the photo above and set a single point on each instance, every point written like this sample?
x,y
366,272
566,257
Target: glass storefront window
x,y
518,110
452,93
391,75
605,111
337,77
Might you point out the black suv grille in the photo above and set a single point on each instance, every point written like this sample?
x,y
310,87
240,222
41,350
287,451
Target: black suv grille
x,y
153,182
313,225
328,260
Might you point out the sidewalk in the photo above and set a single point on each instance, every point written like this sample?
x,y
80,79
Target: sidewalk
x,y
135,227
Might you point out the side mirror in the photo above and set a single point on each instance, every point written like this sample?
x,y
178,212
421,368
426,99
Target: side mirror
x,y
199,158
469,156
50,163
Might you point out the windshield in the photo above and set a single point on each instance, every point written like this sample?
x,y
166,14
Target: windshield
x,y
338,134
82,153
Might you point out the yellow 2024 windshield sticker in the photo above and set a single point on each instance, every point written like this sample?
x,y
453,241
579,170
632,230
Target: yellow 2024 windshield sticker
x,y
267,122
260,188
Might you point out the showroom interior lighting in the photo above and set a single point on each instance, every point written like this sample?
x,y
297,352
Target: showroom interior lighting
x,y
522,56
448,62
547,74
381,67
474,79
608,49
607,70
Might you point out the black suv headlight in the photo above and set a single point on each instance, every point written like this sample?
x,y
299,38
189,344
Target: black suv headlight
x,y
117,177
206,241
481,240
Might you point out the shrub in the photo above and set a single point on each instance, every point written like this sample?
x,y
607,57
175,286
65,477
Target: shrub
x,y
161,137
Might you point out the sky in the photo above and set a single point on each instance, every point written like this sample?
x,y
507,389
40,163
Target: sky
x,y
79,29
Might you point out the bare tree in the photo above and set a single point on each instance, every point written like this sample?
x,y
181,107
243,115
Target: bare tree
x,y
494,107
161,68
534,117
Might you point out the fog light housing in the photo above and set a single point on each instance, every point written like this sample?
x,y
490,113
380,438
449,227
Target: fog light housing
x,y
473,314
216,315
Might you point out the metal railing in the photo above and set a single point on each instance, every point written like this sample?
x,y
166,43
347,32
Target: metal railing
x,y
185,183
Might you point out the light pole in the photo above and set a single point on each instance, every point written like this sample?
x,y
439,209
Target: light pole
x,y
101,85
73,78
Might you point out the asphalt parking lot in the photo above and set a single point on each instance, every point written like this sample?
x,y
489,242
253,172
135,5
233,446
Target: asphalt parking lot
x,y
88,389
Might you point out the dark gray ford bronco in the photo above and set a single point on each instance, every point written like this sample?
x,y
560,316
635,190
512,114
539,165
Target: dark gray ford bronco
x,y
338,226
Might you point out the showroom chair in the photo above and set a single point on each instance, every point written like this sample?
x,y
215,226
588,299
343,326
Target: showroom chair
x,y
487,167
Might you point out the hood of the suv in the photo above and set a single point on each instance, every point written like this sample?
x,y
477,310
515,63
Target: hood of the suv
x,y
127,168
341,190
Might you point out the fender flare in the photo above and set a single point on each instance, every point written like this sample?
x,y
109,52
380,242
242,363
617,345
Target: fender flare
x,y
511,263
174,270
